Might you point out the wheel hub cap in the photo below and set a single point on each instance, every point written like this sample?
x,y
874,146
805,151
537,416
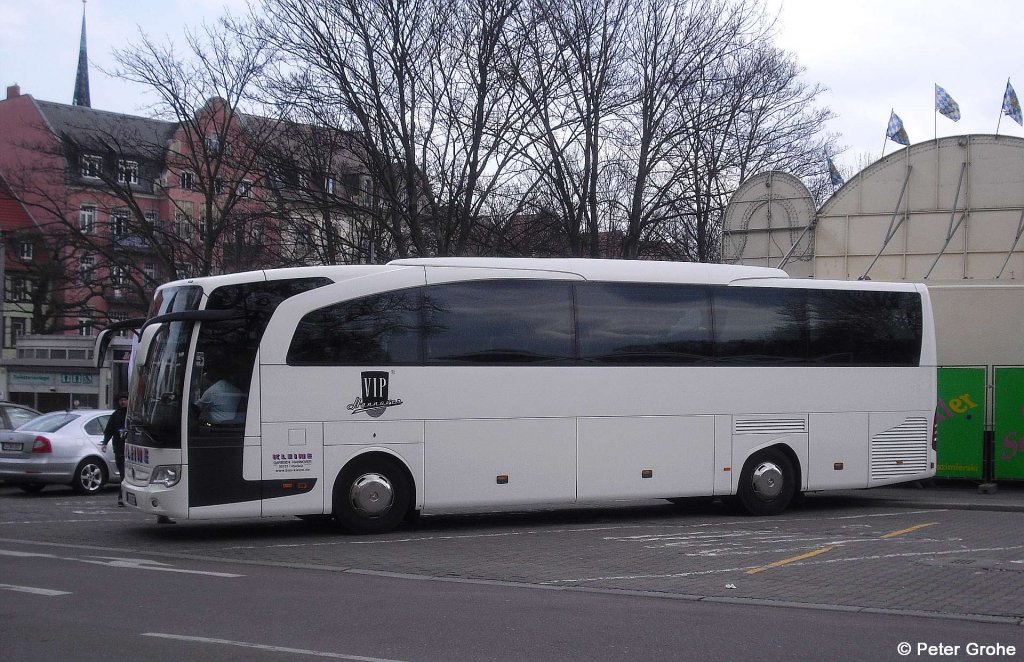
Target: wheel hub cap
x,y
372,494
767,481
91,477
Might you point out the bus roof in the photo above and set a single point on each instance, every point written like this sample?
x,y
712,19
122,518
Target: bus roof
x,y
585,268
607,270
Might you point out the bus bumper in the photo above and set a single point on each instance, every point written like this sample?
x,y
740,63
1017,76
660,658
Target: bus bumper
x,y
157,499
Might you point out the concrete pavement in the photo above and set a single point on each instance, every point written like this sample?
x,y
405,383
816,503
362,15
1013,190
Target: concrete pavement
x,y
1007,496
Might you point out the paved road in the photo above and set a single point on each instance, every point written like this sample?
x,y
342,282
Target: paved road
x,y
944,554
78,603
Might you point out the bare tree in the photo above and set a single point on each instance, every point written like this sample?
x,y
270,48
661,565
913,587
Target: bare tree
x,y
423,87
748,112
573,78
212,158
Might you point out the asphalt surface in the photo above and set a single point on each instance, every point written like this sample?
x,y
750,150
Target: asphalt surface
x,y
945,549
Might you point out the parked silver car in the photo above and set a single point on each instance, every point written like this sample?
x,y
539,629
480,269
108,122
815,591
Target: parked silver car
x,y
62,447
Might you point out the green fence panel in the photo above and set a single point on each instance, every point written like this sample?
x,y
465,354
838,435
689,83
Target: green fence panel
x,y
1008,455
960,415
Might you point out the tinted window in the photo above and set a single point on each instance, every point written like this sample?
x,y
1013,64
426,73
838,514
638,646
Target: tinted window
x,y
227,349
49,422
499,322
633,323
760,326
849,327
96,425
381,329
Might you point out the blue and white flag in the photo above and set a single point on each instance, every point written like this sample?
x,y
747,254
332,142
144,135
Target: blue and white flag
x,y
834,174
945,104
896,132
1011,106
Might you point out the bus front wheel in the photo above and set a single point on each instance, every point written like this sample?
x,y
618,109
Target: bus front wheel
x,y
371,495
767,483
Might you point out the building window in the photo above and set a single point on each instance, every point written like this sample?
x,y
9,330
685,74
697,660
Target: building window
x,y
150,219
329,185
213,142
256,234
218,185
127,172
26,251
92,166
181,226
20,291
117,276
119,220
184,270
353,186
19,327
86,265
149,268
245,189
85,326
87,219
188,180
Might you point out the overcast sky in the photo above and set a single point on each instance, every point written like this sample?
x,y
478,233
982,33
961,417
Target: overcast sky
x,y
874,56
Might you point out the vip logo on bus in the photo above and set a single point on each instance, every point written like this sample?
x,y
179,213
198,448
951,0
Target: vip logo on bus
x,y
374,399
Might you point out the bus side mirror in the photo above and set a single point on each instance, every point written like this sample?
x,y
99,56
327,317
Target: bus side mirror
x,y
100,346
107,335
142,351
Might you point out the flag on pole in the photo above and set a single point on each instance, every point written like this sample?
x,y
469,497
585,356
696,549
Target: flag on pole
x,y
945,104
833,173
896,132
1011,106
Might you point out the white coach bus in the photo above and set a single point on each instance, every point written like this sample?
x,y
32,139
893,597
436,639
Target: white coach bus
x,y
372,393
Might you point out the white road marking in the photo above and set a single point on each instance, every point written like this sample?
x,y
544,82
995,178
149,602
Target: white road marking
x,y
49,592
265,647
119,562
874,557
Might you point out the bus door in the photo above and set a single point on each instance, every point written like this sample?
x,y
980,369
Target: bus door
x,y
217,481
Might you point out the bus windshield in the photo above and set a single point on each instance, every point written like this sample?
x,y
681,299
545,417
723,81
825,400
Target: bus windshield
x,y
158,385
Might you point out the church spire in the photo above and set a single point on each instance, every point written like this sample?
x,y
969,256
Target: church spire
x,y
82,79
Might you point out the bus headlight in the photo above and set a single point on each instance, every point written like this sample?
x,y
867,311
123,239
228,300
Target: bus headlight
x,y
167,475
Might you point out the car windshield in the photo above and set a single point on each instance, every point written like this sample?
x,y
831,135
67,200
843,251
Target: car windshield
x,y
49,422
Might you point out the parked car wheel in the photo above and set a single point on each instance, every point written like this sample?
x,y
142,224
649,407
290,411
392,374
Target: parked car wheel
x,y
90,476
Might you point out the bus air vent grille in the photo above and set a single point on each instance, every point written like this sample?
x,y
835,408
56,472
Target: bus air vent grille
x,y
769,426
901,451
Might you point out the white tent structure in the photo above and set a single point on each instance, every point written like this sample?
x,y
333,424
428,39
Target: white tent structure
x,y
941,210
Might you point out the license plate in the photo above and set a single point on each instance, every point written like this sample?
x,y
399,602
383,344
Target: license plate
x,y
12,446
130,498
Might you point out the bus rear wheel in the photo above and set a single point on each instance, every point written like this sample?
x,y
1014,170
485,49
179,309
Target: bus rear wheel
x,y
371,495
767,483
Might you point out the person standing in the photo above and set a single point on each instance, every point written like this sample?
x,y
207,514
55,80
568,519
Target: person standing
x,y
115,430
